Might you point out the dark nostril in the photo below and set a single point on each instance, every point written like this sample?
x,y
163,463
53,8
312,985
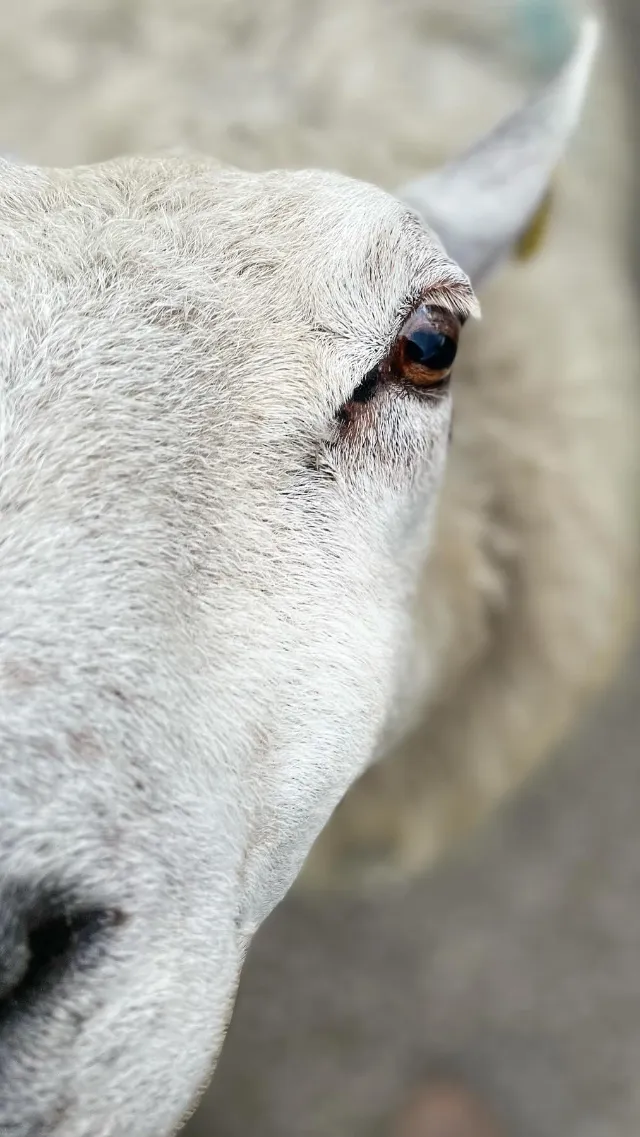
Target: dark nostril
x,y
39,941
52,943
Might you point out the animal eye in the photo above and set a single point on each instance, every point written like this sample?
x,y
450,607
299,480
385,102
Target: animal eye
x,y
421,358
425,350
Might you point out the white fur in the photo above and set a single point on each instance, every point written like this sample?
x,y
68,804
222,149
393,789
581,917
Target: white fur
x,y
210,594
205,585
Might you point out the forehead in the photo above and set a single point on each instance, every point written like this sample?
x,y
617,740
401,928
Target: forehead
x,y
325,244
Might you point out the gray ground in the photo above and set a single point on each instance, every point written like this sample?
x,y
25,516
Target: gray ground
x,y
519,962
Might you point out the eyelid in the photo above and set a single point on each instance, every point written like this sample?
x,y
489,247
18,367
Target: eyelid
x,y
432,298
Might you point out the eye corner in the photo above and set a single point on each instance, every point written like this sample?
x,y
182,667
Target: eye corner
x,y
364,393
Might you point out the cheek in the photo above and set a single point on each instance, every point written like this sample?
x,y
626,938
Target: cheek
x,y
413,479
397,443
411,514
328,737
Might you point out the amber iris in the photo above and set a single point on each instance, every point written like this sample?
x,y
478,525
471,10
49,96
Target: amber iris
x,y
425,349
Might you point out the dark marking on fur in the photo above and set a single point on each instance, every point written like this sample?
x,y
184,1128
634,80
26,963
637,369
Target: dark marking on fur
x,y
118,693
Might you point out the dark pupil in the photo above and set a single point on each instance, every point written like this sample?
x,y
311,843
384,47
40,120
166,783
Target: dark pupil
x,y
431,349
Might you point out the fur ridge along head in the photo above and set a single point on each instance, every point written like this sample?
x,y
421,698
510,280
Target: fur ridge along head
x,y
225,403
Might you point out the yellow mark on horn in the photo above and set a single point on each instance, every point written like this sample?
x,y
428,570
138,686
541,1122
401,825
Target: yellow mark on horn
x,y
536,232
